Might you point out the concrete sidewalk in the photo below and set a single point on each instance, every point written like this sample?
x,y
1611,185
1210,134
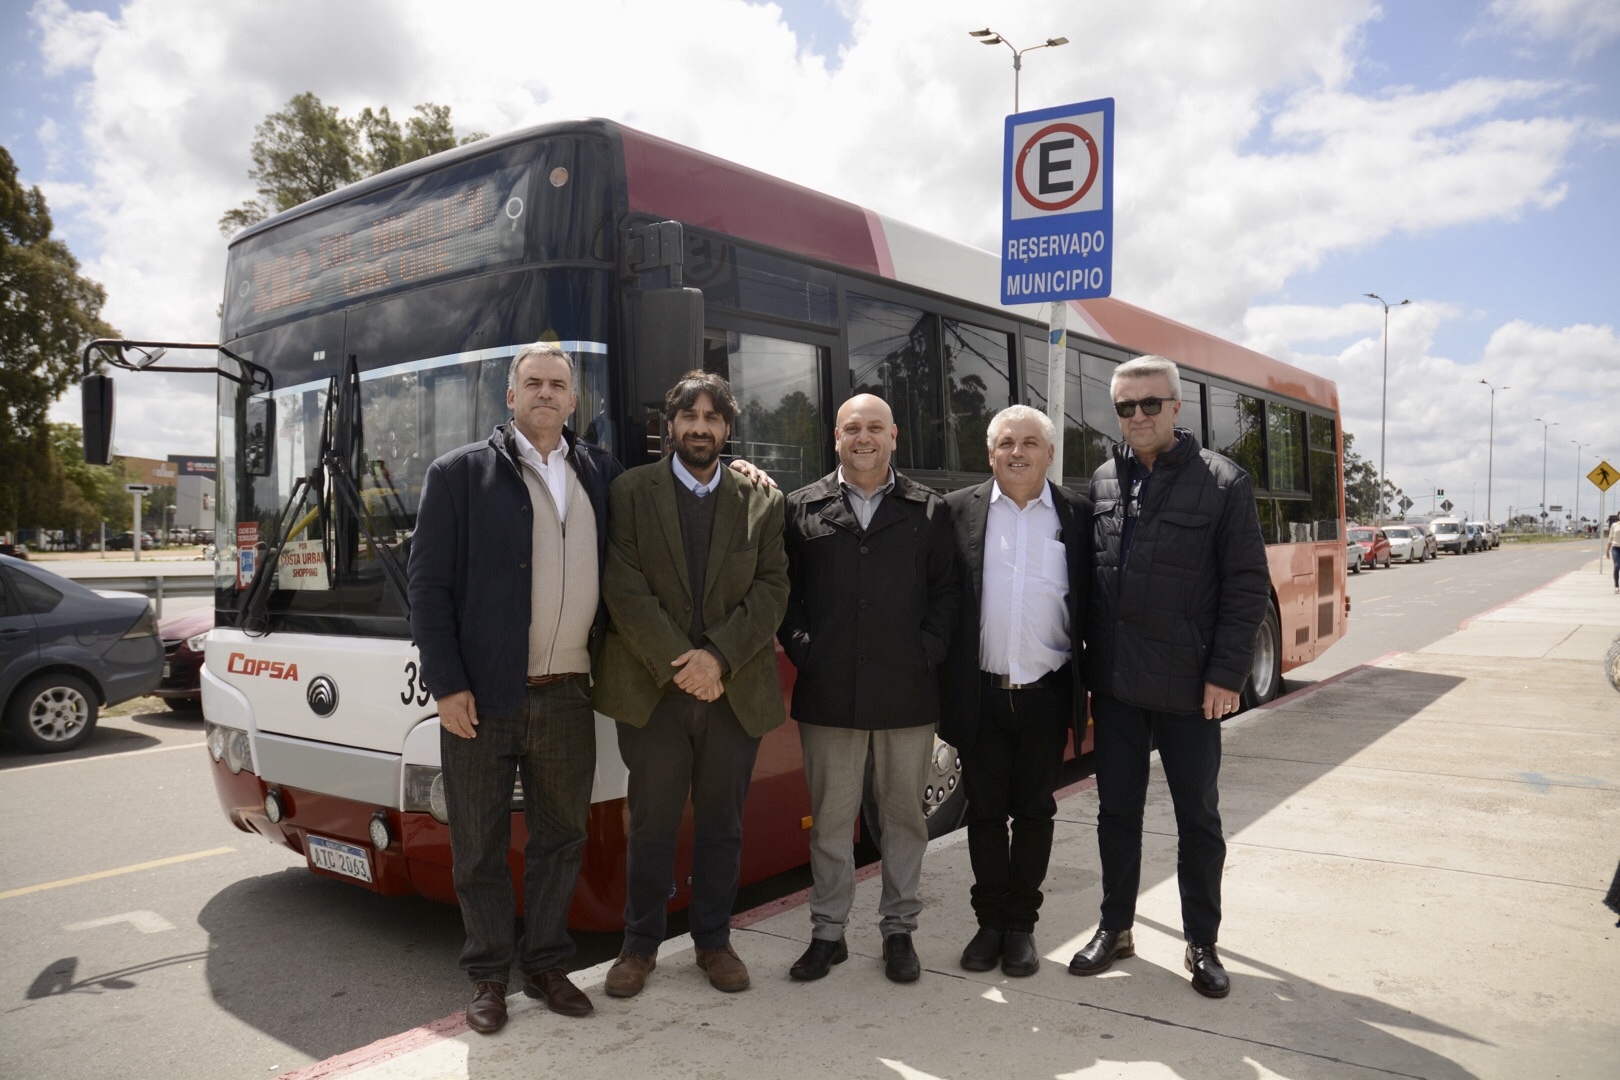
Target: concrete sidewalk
x,y
1417,857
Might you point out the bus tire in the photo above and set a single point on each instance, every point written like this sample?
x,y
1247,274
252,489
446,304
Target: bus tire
x,y
52,713
1265,670
944,797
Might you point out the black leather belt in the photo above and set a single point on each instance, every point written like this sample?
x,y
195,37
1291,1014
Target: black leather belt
x,y
553,680
1004,682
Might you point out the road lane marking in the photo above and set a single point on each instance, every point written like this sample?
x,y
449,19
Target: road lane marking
x,y
98,875
1374,599
1441,581
109,755
147,922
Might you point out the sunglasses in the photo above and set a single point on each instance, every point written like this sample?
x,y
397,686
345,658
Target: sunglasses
x,y
1150,406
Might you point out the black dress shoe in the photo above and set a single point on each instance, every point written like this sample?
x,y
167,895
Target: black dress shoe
x,y
900,961
487,1013
1101,951
558,992
1018,957
818,959
983,951
1208,976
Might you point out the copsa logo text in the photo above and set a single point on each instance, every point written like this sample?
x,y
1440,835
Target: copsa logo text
x,y
243,664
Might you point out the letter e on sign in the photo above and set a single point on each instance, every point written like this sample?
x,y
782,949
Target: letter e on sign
x,y
1058,167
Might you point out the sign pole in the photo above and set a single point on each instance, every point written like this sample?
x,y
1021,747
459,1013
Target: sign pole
x,y
137,497
1057,363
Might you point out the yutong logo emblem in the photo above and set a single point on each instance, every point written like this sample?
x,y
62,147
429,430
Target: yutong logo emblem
x,y
322,695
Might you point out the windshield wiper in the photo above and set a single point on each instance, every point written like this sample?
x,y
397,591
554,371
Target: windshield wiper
x,y
332,481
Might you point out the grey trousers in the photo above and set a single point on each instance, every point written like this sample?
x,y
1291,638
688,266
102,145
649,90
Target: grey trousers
x,y
835,769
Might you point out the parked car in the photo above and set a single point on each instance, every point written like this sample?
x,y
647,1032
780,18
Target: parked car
x,y
67,652
16,551
1432,549
1449,535
1353,556
1374,544
1406,544
1488,536
183,638
125,541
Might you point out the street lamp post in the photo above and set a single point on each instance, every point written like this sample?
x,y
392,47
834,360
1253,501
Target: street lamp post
x,y
1545,426
1383,408
1490,450
988,36
1579,446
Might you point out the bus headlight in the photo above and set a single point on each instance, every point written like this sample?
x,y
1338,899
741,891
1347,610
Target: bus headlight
x,y
238,754
424,792
216,739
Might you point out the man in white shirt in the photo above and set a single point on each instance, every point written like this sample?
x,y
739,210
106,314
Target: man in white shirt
x,y
1614,549
1023,548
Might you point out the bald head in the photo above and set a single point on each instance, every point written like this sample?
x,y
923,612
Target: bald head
x,y
865,439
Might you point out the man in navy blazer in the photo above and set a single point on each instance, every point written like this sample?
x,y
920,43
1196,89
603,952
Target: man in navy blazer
x,y
1013,687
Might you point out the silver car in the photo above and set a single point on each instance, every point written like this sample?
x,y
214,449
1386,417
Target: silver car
x,y
66,652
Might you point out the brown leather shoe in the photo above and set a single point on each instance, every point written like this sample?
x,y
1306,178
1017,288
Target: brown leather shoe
x,y
558,992
487,1013
727,972
629,974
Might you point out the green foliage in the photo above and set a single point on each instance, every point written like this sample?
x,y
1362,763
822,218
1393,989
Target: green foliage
x,y
1361,489
47,313
307,150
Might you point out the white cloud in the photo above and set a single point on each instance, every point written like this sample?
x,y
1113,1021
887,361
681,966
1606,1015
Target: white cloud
x,y
1246,156
1585,25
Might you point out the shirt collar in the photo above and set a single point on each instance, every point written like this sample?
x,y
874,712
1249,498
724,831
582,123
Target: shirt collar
x,y
693,484
857,491
1045,497
526,449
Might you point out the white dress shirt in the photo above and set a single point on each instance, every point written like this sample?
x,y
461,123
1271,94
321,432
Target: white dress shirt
x,y
552,468
1024,630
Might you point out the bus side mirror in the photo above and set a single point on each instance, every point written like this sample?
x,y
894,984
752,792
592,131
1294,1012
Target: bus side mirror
x,y
258,435
96,397
669,340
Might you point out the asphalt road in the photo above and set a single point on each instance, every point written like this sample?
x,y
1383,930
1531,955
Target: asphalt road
x,y
145,937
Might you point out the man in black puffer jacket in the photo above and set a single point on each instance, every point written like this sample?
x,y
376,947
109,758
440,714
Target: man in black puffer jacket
x,y
1179,590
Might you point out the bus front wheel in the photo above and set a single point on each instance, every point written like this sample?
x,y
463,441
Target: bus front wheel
x,y
1265,671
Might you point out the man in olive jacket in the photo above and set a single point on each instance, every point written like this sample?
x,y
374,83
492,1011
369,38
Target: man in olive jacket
x,y
869,620
696,582
1180,590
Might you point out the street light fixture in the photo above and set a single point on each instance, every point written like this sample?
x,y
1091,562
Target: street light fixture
x,y
1545,426
1383,408
1490,451
988,36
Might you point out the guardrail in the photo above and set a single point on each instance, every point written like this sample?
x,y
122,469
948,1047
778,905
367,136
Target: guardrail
x,y
156,586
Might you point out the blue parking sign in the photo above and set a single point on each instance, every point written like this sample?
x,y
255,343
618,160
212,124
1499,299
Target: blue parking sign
x,y
1057,204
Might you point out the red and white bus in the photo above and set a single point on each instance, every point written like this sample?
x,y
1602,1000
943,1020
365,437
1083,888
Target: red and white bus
x,y
368,331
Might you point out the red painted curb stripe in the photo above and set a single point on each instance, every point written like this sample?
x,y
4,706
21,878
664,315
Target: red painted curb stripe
x,y
383,1049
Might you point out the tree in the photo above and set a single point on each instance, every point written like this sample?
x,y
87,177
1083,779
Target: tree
x,y
47,313
1361,488
307,150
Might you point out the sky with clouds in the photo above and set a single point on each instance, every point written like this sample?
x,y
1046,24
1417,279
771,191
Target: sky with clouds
x,y
1274,161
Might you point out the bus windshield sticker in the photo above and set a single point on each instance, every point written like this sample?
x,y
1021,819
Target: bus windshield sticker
x,y
303,566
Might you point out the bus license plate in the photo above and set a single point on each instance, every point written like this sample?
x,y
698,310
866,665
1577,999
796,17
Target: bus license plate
x,y
339,858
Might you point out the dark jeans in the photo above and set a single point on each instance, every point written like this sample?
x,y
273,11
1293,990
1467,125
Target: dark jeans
x,y
696,748
1011,772
551,746
1190,751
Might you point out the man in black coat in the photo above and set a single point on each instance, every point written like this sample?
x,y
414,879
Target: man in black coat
x,y
1179,591
871,605
1012,679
